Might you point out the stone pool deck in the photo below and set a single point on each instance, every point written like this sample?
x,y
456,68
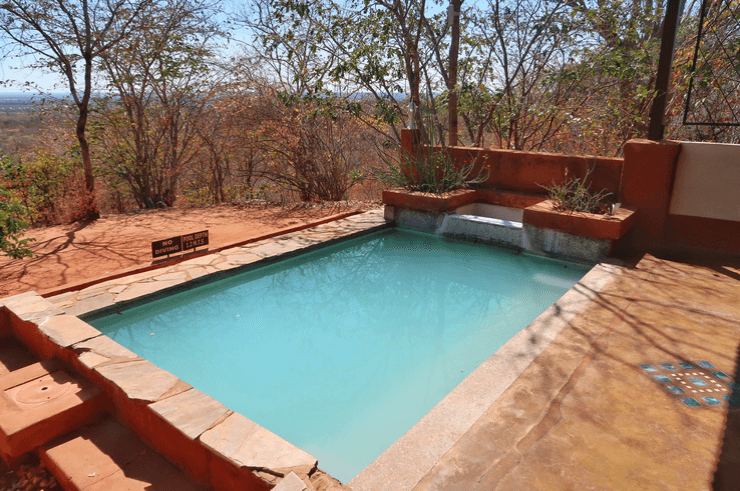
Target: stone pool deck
x,y
586,414
567,404
145,286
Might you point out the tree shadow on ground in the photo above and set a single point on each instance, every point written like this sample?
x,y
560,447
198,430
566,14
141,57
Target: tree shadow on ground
x,y
727,472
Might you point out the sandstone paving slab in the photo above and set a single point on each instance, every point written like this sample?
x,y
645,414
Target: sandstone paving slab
x,y
191,412
66,330
226,266
15,299
93,291
91,303
242,258
101,349
199,261
217,259
133,278
65,303
247,444
291,482
140,380
236,250
57,299
137,290
194,272
172,275
32,307
276,249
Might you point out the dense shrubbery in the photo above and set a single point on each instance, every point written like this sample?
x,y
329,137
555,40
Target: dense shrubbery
x,y
316,102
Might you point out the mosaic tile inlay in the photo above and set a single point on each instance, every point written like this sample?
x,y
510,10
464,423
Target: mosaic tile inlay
x,y
695,384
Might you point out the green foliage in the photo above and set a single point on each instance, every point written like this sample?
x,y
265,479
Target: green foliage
x,y
41,184
575,195
428,169
11,227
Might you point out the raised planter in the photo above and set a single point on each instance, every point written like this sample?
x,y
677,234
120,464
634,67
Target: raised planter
x,y
611,227
575,236
441,203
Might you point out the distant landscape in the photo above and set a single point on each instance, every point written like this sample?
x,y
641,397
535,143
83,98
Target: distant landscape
x,y
308,108
19,123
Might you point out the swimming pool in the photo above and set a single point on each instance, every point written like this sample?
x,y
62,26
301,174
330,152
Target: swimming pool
x,y
340,351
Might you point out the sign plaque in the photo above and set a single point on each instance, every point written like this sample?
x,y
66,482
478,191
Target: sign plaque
x,y
166,247
180,243
191,241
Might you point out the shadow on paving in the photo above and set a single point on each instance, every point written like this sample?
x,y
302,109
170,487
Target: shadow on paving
x,y
727,474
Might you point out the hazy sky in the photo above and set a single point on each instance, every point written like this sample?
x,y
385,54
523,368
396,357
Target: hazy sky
x,y
47,82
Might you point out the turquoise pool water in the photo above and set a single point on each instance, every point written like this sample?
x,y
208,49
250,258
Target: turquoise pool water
x,y
342,350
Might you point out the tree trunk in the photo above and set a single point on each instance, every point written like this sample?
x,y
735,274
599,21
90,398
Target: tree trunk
x,y
91,205
452,70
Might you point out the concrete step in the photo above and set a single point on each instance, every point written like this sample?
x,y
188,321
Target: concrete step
x,y
42,401
482,229
105,456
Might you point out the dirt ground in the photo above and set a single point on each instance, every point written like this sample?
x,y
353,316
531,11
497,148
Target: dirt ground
x,y
73,253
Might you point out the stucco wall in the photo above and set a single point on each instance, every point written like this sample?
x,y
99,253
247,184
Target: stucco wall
x,y
707,181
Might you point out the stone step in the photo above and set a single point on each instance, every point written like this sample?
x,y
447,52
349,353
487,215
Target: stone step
x,y
482,229
42,401
105,456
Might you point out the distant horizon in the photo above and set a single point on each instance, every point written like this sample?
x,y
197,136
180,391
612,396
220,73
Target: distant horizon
x,y
32,94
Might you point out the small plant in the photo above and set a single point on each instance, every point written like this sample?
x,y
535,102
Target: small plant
x,y
575,195
428,169
11,226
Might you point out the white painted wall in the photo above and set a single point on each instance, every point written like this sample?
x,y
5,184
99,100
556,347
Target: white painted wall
x,y
707,181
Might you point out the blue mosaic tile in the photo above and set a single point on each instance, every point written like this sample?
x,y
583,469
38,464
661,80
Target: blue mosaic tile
x,y
712,401
649,368
690,401
721,375
667,366
705,364
661,378
698,382
674,389
686,365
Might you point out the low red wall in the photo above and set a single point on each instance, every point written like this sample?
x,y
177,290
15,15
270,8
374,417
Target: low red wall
x,y
687,233
643,180
527,172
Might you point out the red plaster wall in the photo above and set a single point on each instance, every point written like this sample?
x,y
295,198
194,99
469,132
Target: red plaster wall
x,y
702,234
525,171
647,181
528,171
5,322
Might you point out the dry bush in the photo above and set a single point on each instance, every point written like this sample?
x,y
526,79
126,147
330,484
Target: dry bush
x,y
316,149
